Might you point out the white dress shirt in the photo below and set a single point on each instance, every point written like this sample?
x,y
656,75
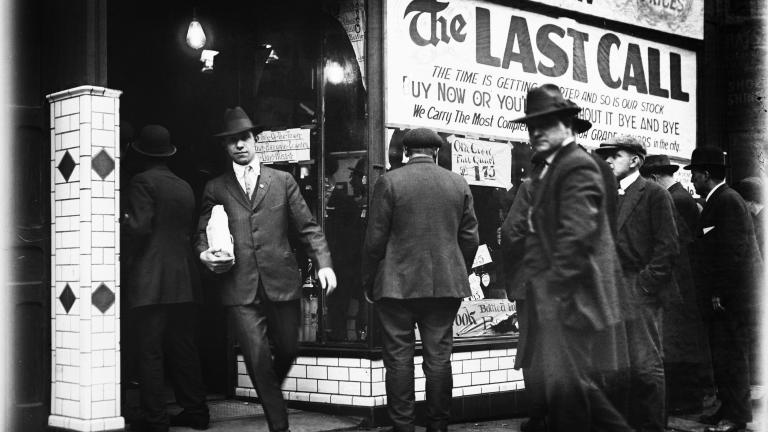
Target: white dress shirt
x,y
253,177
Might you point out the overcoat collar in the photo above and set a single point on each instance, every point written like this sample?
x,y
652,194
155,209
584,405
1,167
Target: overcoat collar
x,y
710,203
631,198
540,190
233,187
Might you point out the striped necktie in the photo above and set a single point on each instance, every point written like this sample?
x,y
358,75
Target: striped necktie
x,y
247,181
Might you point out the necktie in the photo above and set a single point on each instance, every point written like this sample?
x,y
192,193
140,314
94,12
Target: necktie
x,y
247,181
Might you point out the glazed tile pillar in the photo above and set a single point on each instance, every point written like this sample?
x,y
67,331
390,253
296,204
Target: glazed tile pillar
x,y
85,274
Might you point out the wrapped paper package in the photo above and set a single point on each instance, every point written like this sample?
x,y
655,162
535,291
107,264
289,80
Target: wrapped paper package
x,y
219,238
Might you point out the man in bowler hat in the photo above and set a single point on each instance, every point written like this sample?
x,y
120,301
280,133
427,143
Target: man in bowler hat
x,y
571,274
647,244
419,246
162,287
260,284
729,262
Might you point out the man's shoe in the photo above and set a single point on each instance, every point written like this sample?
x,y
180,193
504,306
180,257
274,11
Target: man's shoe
x,y
194,421
727,426
534,424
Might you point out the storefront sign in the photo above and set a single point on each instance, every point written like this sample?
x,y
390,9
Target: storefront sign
x,y
281,146
465,67
679,17
482,163
482,317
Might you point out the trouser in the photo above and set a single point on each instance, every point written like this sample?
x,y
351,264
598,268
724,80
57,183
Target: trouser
x,y
166,335
646,383
434,317
729,341
257,325
532,375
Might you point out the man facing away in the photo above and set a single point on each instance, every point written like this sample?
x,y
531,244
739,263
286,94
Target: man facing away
x,y
261,285
647,244
419,245
729,262
572,272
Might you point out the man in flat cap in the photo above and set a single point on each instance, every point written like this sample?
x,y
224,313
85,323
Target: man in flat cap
x,y
687,368
570,271
729,264
260,284
646,241
419,247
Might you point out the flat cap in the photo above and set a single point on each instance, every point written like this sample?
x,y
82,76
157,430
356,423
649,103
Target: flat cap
x,y
622,142
422,138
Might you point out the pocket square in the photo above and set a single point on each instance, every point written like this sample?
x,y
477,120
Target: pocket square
x,y
708,229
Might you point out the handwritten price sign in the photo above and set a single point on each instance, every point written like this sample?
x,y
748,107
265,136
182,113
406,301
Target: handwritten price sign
x,y
482,163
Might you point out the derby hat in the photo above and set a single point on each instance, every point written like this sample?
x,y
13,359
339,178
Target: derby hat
x,y
154,141
658,164
237,121
422,138
545,100
622,142
705,157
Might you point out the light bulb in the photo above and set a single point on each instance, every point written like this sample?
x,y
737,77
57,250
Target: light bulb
x,y
334,72
195,35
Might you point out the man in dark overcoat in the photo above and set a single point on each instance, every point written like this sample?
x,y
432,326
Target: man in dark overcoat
x,y
162,287
647,244
573,274
420,243
261,284
729,263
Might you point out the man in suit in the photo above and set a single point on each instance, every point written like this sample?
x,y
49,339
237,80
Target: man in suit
x,y
162,284
572,271
686,351
647,244
261,284
419,246
729,264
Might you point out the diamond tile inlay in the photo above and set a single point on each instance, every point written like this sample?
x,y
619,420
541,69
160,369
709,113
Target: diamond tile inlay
x,y
66,166
103,164
67,298
103,298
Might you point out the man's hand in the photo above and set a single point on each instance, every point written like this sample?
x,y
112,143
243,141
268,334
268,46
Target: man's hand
x,y
716,305
216,263
327,279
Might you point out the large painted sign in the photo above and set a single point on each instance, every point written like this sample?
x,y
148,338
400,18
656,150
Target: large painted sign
x,y
465,67
680,17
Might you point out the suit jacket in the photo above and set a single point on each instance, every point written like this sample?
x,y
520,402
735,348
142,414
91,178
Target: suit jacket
x,y
514,230
260,228
647,242
422,233
728,254
685,206
161,267
576,275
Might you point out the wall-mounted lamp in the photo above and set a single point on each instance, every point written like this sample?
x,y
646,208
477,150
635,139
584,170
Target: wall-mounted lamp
x,y
334,72
207,58
195,33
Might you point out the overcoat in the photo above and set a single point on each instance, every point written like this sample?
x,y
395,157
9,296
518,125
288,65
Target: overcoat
x,y
260,229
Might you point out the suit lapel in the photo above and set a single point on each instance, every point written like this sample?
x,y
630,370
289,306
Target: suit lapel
x,y
234,189
265,179
704,218
544,183
631,198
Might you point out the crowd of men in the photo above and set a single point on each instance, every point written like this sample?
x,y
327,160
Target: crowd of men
x,y
614,270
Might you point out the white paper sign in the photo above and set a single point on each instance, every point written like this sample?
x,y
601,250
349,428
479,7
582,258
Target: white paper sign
x,y
482,163
480,317
285,145
482,256
466,68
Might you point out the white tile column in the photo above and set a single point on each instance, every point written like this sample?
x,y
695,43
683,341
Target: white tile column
x,y
85,283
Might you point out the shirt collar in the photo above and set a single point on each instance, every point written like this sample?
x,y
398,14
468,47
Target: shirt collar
x,y
240,169
628,180
714,189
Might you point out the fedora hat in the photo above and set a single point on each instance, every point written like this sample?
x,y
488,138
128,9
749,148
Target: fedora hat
x,y
155,141
544,100
705,157
622,142
422,138
236,121
658,164
580,125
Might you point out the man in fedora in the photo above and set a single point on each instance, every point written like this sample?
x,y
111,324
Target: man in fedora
x,y
162,288
647,244
729,262
420,243
261,284
686,350
571,271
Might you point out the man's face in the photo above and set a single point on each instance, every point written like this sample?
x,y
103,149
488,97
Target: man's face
x,y
241,147
622,162
699,179
547,133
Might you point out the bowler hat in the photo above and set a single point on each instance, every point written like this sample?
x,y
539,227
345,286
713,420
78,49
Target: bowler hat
x,y
705,157
236,121
422,138
544,100
155,141
658,164
622,142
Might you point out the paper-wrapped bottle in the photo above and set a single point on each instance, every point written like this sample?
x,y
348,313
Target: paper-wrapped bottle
x,y
219,238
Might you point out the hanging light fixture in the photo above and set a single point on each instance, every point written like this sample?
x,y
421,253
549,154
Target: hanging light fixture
x,y
195,33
